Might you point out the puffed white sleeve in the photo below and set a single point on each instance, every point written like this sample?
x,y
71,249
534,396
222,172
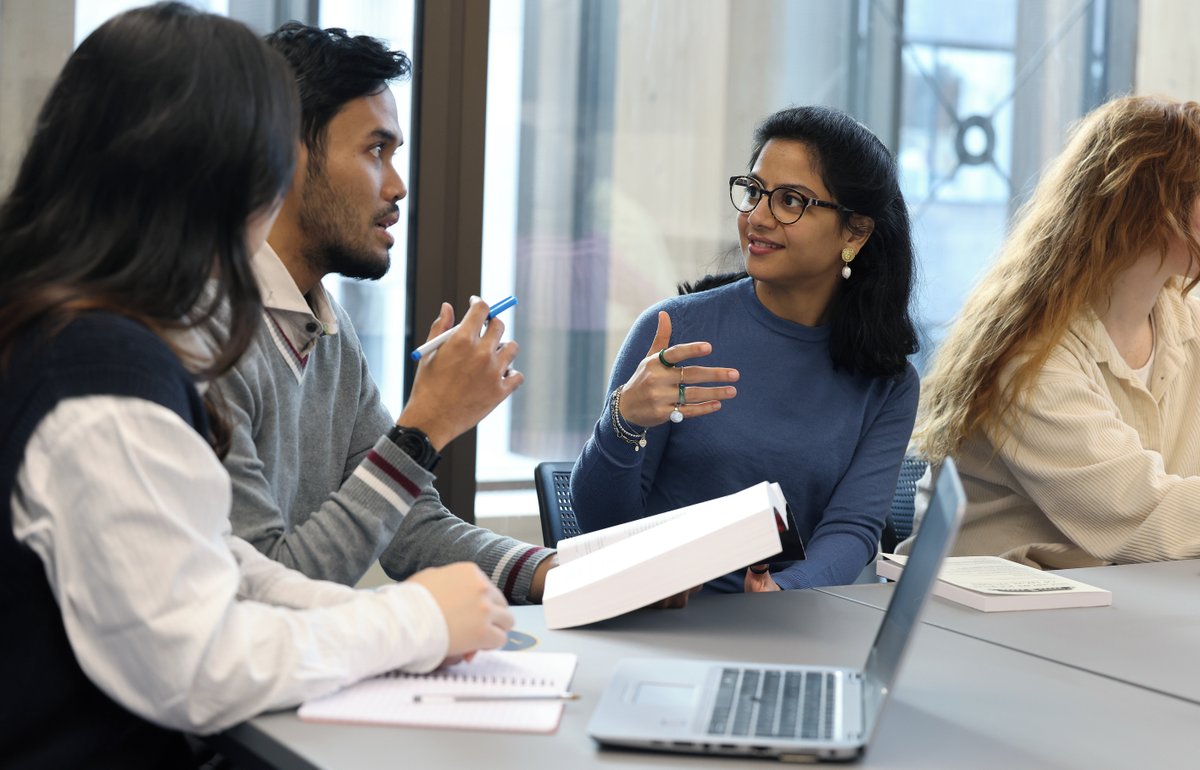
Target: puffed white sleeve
x,y
127,507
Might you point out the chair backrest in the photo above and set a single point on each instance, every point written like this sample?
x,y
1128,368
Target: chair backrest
x,y
900,518
553,484
552,480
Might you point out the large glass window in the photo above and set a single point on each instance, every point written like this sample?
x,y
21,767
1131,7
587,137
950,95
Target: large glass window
x,y
987,95
612,129
613,126
379,308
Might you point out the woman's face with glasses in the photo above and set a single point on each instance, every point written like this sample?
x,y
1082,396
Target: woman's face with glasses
x,y
792,236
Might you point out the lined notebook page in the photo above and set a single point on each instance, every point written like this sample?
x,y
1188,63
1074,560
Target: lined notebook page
x,y
388,699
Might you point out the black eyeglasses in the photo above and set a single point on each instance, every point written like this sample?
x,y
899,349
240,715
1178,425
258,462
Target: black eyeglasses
x,y
786,205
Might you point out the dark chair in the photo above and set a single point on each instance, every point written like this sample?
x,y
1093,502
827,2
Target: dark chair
x,y
553,484
900,519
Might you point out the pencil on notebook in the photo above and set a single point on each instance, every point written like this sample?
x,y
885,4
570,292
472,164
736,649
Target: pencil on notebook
x,y
452,698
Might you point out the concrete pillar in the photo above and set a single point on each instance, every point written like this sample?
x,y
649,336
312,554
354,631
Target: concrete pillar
x,y
35,40
1168,59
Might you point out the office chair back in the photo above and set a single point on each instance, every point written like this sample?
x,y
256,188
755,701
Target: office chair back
x,y
900,518
552,480
553,484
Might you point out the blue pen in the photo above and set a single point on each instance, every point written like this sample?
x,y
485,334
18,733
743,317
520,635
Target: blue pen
x,y
439,340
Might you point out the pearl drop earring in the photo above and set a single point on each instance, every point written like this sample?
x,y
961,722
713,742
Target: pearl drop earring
x,y
847,257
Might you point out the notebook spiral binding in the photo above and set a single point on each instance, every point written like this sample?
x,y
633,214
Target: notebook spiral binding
x,y
445,676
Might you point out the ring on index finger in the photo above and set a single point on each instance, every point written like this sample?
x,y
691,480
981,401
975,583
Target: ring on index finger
x,y
663,359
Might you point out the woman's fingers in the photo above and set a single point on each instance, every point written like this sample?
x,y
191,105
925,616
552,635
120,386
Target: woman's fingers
x,y
662,335
696,375
663,389
684,351
697,395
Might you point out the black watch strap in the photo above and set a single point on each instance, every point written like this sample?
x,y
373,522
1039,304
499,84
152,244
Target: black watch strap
x,y
414,443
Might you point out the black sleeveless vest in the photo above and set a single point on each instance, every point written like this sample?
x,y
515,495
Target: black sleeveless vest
x,y
51,715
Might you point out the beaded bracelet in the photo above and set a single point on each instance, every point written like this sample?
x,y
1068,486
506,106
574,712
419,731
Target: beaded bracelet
x,y
638,440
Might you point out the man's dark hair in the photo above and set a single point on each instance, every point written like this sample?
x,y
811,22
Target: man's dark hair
x,y
332,68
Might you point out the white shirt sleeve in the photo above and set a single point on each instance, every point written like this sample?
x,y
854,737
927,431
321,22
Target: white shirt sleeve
x,y
265,580
166,612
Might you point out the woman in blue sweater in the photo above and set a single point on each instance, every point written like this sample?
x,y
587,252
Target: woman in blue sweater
x,y
795,371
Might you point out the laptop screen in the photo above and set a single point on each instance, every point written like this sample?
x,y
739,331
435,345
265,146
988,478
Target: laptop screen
x,y
936,532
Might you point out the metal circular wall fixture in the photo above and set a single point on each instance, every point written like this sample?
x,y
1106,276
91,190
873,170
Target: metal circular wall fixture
x,y
966,156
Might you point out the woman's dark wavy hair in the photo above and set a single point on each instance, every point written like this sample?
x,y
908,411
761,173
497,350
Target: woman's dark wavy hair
x,y
333,67
166,130
872,332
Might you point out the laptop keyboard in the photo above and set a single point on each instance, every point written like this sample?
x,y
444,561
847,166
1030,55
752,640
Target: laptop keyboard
x,y
770,703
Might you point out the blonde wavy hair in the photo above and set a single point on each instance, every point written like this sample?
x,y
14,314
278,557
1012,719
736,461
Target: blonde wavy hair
x,y
1126,184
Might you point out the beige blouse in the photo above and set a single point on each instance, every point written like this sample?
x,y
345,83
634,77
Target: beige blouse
x,y
1100,468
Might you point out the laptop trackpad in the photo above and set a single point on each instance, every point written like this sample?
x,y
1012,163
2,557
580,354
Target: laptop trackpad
x,y
670,695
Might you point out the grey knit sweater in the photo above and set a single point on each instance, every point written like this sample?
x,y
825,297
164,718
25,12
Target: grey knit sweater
x,y
316,483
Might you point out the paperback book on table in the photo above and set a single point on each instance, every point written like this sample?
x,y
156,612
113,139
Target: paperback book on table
x,y
992,584
616,570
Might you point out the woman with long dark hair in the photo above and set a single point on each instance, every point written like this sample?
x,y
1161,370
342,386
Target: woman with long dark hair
x,y
129,611
815,334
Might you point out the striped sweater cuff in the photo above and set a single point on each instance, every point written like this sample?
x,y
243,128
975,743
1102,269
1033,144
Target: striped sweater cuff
x,y
511,566
387,476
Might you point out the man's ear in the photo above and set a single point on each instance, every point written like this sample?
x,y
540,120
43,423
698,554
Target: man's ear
x,y
301,167
289,212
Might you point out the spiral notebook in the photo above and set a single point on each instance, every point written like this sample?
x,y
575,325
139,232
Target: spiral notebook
x,y
391,698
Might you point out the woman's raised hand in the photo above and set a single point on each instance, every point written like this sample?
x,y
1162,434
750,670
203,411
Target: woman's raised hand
x,y
656,387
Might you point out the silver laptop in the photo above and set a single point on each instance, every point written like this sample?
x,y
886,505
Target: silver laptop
x,y
783,711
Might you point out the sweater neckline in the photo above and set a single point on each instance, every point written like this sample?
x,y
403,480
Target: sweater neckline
x,y
759,312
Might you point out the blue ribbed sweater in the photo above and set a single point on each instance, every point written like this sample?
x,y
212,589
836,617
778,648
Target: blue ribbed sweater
x,y
833,440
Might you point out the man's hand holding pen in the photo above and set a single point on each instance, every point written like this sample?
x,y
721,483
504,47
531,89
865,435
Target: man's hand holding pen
x,y
470,374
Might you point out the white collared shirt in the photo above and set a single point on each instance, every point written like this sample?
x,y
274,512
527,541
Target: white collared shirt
x,y
166,611
297,321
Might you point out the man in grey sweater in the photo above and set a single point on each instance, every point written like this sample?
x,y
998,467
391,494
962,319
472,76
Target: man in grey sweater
x,y
323,480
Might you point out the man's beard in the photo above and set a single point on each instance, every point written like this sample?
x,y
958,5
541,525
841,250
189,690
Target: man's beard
x,y
331,230
338,257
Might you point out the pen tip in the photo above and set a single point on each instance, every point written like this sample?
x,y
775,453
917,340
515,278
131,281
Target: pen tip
x,y
416,355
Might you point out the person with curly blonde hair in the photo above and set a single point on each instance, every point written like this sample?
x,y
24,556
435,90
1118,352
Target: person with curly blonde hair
x,y
1067,388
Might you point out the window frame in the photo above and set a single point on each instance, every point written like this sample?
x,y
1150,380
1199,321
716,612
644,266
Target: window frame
x,y
445,242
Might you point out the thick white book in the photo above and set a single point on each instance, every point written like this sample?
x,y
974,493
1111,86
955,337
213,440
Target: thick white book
x,y
992,584
612,571
497,690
